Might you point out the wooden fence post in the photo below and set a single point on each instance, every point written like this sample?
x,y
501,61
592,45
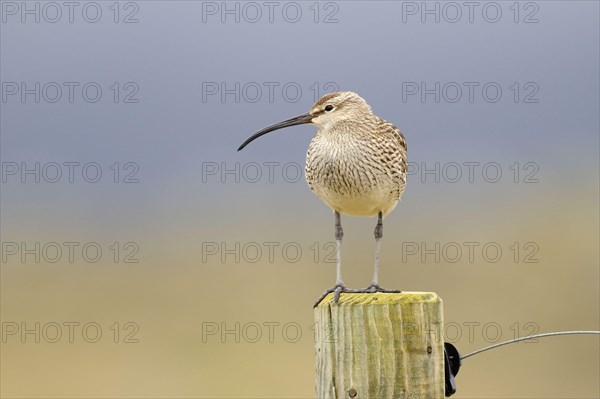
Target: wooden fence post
x,y
380,345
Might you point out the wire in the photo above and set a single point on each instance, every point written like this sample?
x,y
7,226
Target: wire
x,y
512,341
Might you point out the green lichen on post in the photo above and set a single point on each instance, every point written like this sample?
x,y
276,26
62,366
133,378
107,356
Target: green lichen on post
x,y
380,345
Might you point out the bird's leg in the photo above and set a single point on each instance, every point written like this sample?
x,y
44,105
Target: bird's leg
x,y
378,236
339,234
375,287
339,284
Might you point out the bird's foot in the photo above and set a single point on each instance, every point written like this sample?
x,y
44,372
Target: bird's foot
x,y
377,288
337,291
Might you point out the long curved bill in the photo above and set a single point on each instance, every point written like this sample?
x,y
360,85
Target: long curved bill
x,y
299,120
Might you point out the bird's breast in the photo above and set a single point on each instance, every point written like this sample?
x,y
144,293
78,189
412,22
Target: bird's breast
x,y
353,175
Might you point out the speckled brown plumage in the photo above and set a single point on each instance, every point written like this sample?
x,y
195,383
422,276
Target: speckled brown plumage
x,y
356,163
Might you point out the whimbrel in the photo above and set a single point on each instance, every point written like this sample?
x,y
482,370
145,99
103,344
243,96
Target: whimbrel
x,y
356,164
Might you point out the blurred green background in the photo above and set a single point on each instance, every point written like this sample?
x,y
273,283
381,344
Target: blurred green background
x,y
211,259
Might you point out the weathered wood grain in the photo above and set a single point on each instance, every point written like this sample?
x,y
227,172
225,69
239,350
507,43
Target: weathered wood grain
x,y
380,345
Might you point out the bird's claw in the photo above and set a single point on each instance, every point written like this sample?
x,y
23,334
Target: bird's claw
x,y
377,288
336,290
337,293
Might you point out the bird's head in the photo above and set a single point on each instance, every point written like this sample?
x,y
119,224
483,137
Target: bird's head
x,y
339,106
330,109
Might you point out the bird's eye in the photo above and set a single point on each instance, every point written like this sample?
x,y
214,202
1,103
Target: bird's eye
x,y
329,107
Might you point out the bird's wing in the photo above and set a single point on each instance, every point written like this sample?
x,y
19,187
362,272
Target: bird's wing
x,y
397,142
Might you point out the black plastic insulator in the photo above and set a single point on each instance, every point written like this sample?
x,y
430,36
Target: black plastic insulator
x,y
451,366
